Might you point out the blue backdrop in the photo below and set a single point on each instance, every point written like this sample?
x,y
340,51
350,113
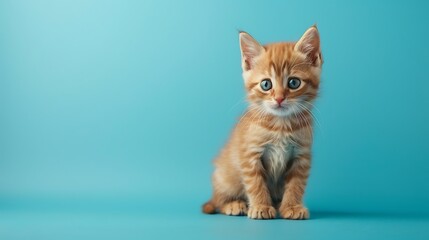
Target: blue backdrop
x,y
112,111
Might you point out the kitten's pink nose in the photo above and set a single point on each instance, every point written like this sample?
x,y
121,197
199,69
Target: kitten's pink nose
x,y
279,100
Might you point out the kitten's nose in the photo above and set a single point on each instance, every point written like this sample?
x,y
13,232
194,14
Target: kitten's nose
x,y
279,100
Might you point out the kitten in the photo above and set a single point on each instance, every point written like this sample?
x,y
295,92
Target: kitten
x,y
265,164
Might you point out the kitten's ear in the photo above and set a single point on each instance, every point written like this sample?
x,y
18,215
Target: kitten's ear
x,y
309,44
250,50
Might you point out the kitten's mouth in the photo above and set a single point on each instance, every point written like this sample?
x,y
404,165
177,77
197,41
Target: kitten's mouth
x,y
280,107
282,110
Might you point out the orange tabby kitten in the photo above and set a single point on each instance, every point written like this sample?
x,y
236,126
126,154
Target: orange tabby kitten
x,y
265,164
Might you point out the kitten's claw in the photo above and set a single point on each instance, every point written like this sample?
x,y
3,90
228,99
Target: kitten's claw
x,y
294,212
261,212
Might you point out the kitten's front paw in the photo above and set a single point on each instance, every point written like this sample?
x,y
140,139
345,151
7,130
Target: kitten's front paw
x,y
294,212
261,212
235,208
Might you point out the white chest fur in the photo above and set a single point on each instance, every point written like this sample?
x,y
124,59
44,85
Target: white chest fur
x,y
276,155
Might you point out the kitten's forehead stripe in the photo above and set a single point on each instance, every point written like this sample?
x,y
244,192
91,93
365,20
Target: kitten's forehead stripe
x,y
280,57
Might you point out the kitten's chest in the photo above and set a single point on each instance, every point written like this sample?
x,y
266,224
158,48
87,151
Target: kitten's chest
x,y
277,154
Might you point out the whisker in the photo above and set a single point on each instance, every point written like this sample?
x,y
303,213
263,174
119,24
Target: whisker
x,y
248,110
312,114
312,105
236,104
310,132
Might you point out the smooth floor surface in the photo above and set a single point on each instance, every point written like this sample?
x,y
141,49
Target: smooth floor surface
x,y
183,220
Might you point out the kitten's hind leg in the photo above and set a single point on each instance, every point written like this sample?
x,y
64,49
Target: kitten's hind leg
x,y
228,191
234,208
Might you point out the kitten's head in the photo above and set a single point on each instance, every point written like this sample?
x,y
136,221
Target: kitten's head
x,y
282,78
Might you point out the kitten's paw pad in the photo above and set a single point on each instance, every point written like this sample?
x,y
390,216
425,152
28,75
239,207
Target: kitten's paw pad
x,y
235,208
261,212
294,212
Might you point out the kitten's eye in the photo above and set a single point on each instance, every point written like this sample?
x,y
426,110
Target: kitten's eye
x,y
266,84
294,83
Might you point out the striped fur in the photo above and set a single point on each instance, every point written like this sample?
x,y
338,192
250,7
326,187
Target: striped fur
x,y
263,168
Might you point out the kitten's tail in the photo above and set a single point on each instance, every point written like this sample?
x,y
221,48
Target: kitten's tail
x,y
209,207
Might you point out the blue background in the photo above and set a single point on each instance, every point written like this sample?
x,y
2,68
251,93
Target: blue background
x,y
112,111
